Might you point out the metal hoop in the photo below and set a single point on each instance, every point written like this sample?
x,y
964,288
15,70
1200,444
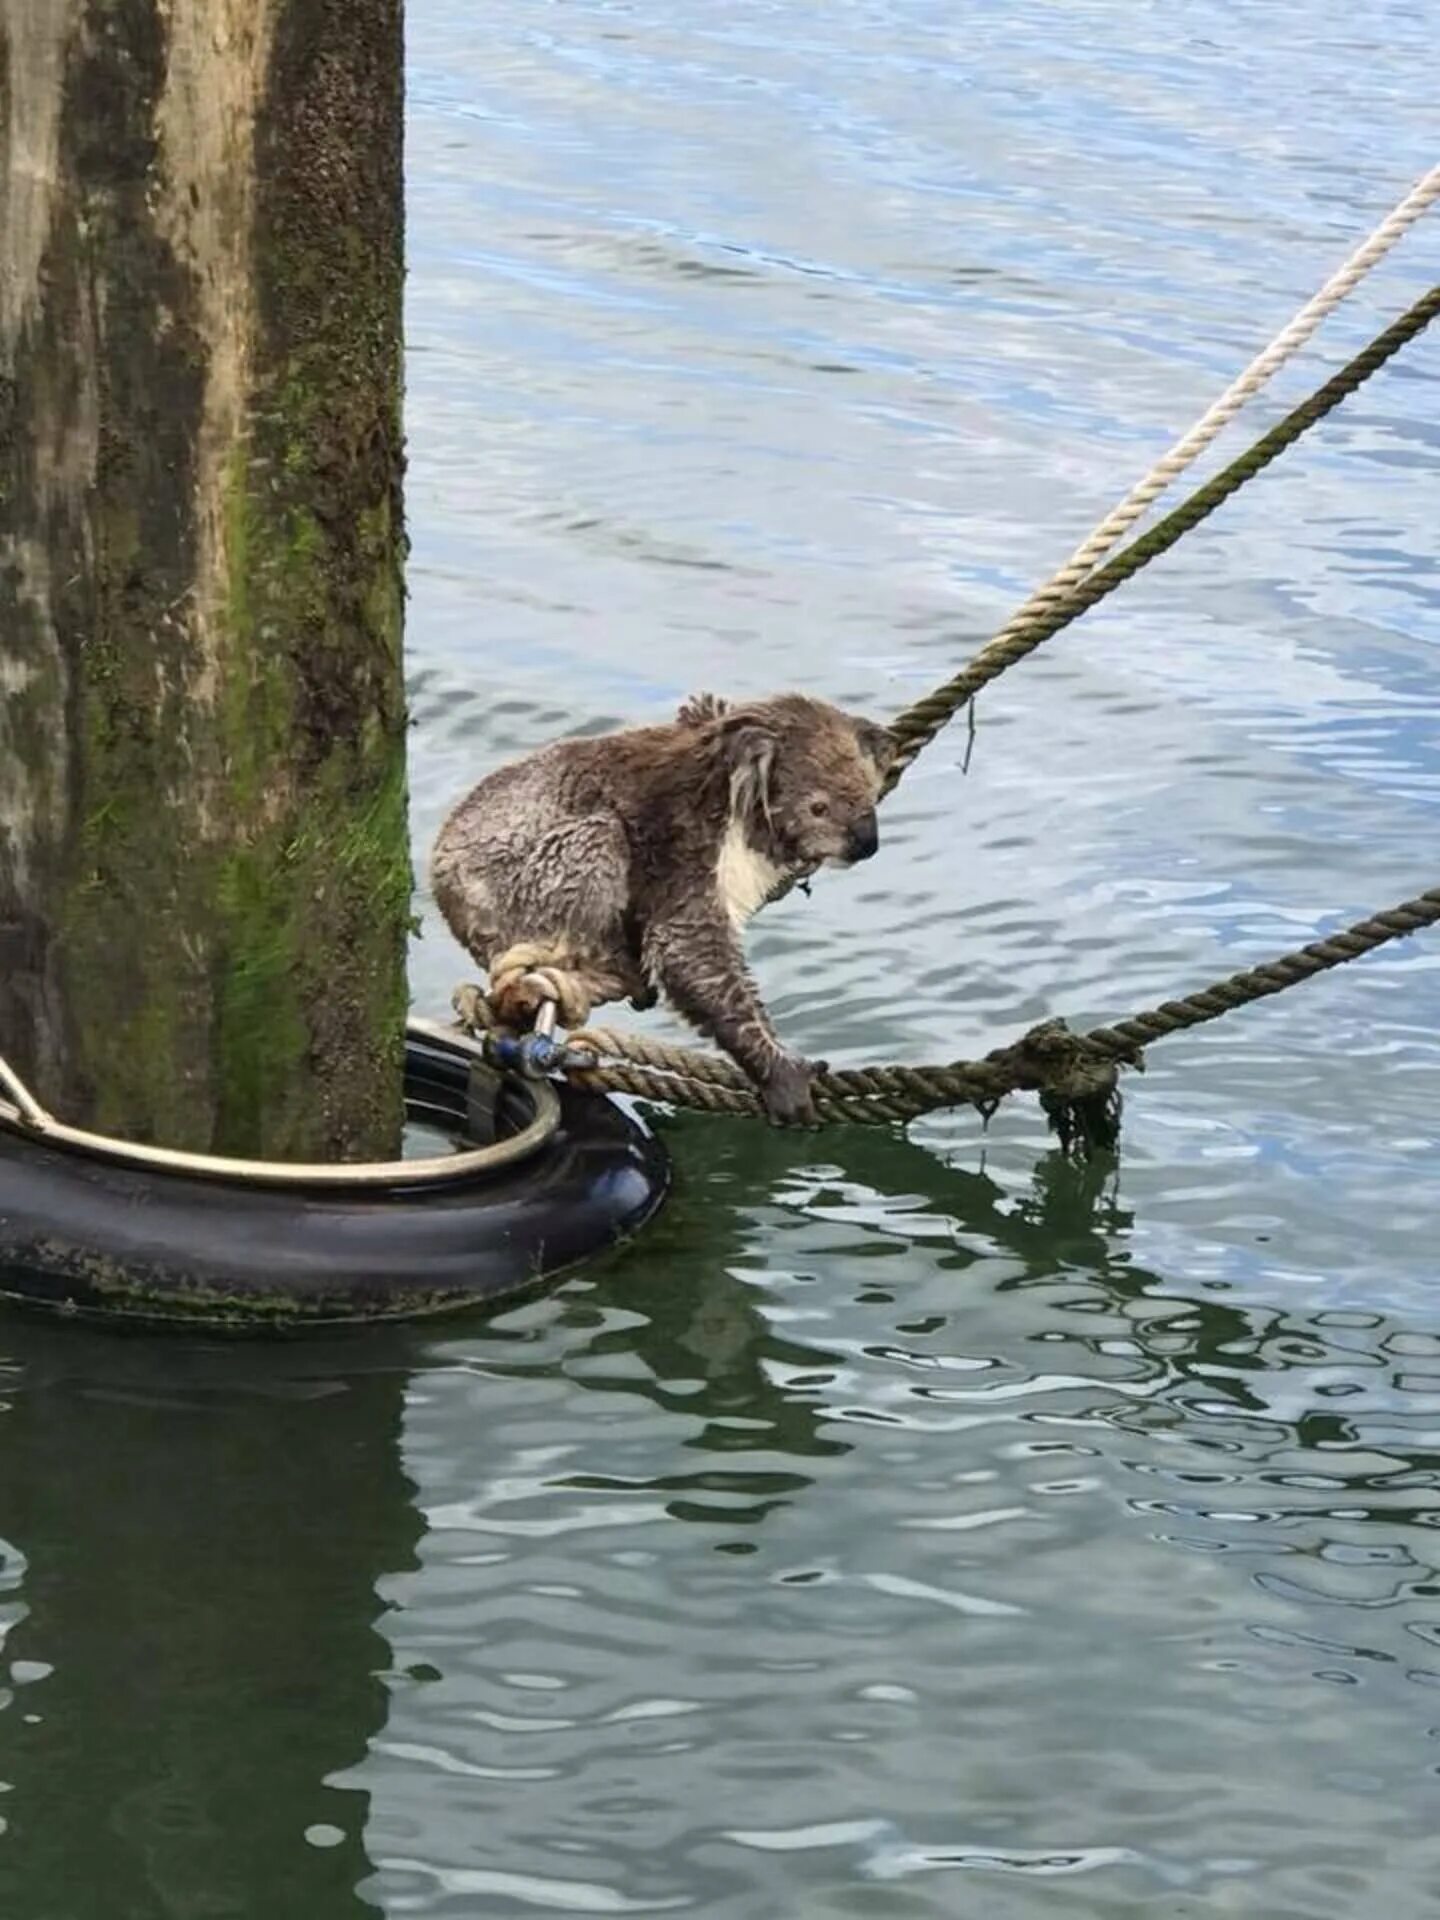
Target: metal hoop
x,y
22,1113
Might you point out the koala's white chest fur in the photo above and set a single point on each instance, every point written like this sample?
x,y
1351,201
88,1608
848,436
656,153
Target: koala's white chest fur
x,y
744,876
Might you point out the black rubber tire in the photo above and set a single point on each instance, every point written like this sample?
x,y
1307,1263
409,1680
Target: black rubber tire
x,y
90,1237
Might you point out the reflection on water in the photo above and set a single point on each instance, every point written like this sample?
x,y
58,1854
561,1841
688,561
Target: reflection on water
x,y
879,1523
903,1526
193,1540
1019,1559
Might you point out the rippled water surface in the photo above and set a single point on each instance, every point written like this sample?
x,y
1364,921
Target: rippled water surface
x,y
907,1526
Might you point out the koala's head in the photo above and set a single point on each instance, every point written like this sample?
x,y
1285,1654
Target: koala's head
x,y
803,776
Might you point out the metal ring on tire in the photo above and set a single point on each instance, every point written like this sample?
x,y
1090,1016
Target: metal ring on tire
x,y
24,1112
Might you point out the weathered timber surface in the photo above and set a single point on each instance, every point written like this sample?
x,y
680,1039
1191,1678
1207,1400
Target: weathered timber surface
x,y
204,874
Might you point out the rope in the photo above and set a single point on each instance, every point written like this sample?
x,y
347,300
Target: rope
x,y
1075,1074
1267,362
1058,590
522,979
920,722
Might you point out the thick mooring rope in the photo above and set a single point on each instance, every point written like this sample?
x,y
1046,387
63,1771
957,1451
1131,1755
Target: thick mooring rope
x,y
921,722
1059,589
1286,344
1075,1074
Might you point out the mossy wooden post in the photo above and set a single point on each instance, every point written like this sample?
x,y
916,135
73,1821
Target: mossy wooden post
x,y
204,876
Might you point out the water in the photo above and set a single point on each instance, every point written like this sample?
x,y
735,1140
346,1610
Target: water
x,y
907,1527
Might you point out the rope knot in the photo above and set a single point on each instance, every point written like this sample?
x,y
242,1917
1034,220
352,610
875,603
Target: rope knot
x,y
1078,1087
522,980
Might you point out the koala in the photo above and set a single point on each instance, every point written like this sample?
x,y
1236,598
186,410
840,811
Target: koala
x,y
644,853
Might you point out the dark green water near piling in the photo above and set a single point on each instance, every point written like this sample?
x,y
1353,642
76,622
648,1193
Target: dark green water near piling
x,y
904,1528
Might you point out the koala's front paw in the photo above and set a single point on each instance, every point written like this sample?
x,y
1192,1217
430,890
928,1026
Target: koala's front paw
x,y
787,1092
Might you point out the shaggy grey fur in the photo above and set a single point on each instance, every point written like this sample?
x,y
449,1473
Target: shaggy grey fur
x,y
643,853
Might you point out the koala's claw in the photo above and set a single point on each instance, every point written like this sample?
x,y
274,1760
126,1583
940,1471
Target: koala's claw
x,y
787,1093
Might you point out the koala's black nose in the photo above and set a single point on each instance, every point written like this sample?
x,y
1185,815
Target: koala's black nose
x,y
864,837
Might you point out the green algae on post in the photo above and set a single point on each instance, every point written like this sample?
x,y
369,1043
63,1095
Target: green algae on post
x,y
204,864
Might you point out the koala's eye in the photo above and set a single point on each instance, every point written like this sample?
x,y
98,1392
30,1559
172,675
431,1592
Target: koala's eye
x,y
819,808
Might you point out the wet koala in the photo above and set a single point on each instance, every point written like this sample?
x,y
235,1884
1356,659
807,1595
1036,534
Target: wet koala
x,y
642,854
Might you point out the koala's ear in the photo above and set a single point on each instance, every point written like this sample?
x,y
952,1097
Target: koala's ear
x,y
700,708
750,748
876,741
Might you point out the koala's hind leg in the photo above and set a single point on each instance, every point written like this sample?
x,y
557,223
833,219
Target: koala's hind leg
x,y
571,893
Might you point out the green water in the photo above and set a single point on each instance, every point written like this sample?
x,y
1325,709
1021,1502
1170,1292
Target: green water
x,y
906,1527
